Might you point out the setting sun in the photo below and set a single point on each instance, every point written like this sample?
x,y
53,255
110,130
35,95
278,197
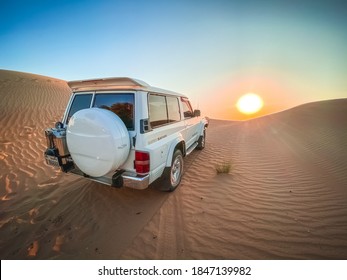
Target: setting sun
x,y
249,103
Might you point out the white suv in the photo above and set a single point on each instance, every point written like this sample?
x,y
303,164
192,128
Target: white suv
x,y
121,131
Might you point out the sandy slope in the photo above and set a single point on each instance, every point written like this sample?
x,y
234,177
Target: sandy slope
x,y
284,198
45,214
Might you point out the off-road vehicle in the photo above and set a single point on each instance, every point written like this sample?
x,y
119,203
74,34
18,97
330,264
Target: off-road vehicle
x,y
122,131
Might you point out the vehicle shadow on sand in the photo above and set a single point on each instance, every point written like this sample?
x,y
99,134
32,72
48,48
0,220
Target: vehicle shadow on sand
x,y
74,219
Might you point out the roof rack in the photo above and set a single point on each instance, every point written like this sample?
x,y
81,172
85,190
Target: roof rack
x,y
116,83
119,82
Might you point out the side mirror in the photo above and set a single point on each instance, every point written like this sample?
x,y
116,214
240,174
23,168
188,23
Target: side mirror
x,y
197,113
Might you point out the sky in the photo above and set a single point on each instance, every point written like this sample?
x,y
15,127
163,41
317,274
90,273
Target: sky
x,y
287,52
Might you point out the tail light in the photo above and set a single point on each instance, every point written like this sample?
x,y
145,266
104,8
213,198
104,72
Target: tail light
x,y
141,162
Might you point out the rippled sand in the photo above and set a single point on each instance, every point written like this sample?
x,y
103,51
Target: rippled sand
x,y
284,198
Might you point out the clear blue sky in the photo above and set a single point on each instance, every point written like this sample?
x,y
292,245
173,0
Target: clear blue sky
x,y
288,52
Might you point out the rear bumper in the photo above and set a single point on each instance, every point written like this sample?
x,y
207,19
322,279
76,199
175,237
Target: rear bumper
x,y
132,180
126,179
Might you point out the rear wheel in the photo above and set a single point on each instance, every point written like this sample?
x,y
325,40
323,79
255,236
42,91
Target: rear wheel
x,y
172,175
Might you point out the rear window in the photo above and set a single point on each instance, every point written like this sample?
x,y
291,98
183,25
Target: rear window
x,y
80,101
122,104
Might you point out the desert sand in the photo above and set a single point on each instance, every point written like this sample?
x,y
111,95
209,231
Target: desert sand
x,y
285,196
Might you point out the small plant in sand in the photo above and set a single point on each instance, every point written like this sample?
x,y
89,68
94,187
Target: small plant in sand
x,y
223,168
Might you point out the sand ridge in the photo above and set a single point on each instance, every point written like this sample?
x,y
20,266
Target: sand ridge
x,y
285,197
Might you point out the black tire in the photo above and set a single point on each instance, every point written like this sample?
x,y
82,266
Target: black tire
x,y
201,141
172,175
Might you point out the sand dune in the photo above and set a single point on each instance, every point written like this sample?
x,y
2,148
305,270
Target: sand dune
x,y
285,197
45,214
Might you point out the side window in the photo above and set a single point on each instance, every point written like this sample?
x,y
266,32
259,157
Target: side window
x,y
157,110
80,101
187,108
163,110
173,109
122,104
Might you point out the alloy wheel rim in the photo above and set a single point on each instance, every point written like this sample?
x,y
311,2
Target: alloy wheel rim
x,y
176,171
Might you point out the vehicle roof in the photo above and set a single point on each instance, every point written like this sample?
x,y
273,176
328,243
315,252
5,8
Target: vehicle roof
x,y
117,83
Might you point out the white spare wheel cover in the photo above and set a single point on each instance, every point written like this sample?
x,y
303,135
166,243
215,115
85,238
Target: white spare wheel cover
x,y
98,141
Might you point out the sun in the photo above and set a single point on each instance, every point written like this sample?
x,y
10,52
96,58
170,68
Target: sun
x,y
249,103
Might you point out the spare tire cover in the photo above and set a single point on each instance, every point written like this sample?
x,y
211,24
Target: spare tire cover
x,y
98,141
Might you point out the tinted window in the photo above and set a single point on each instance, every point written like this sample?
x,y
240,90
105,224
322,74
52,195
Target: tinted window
x,y
80,101
163,110
187,108
122,104
157,110
173,109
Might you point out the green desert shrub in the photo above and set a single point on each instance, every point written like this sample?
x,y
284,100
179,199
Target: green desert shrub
x,y
224,167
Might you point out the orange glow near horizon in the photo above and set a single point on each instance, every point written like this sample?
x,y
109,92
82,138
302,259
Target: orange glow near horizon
x,y
274,89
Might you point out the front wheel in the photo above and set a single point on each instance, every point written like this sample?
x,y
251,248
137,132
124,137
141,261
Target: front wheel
x,y
201,141
173,174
